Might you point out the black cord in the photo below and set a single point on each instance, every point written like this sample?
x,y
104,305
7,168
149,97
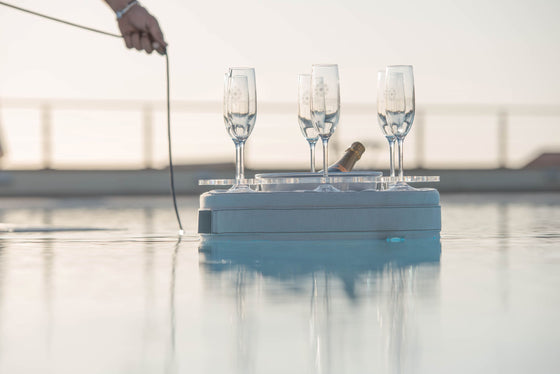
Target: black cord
x,y
171,174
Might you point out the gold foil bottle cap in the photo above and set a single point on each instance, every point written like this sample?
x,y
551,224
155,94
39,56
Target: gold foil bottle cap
x,y
358,148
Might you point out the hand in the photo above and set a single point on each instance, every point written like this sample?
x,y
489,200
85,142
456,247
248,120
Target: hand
x,y
141,30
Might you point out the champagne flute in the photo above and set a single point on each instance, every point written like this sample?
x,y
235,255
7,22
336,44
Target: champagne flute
x,y
382,120
325,110
241,110
304,115
400,78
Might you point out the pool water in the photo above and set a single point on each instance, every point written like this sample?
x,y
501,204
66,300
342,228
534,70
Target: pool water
x,y
130,298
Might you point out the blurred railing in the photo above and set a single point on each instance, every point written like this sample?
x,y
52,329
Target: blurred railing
x,y
501,114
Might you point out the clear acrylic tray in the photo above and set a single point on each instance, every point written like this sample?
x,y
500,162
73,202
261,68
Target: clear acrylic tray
x,y
303,181
224,182
412,179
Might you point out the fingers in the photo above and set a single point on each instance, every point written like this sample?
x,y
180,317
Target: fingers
x,y
127,40
142,41
135,38
146,43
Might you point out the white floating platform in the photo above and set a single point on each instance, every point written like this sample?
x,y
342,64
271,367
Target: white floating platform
x,y
394,216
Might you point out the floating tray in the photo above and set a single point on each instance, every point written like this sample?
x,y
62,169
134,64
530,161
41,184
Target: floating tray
x,y
387,215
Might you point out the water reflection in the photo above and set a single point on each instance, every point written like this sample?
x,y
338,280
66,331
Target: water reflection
x,y
60,273
138,301
150,321
365,275
503,249
48,269
170,366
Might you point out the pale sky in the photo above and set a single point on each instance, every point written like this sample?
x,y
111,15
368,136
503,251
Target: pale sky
x,y
462,51
475,51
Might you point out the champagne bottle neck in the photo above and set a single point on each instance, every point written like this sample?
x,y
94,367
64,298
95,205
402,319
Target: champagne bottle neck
x,y
347,162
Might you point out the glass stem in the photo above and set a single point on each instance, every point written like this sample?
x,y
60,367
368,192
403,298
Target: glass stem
x,y
325,157
241,160
392,156
312,151
238,163
401,171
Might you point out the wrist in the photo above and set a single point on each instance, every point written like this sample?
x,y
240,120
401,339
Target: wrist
x,y
117,5
120,13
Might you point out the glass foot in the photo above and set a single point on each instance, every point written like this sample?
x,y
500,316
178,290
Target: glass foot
x,y
241,188
326,188
401,186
